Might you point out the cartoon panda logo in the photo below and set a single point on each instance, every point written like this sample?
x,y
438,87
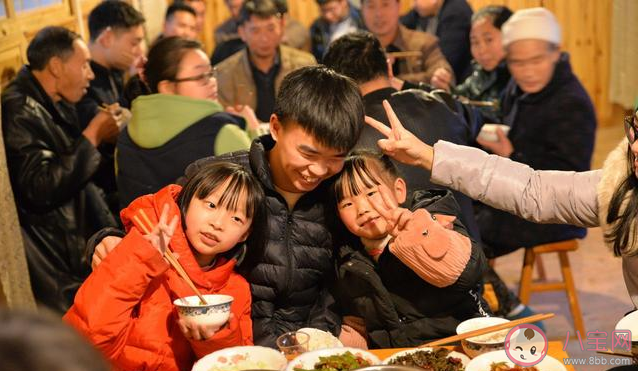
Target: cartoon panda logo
x,y
526,345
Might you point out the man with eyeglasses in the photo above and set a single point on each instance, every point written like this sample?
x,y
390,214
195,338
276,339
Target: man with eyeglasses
x,y
253,75
553,126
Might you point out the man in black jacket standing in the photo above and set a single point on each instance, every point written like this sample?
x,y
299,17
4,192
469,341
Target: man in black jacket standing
x,y
51,162
116,32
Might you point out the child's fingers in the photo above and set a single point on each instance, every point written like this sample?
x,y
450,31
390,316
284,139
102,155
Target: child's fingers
x,y
172,225
404,216
163,215
380,207
387,199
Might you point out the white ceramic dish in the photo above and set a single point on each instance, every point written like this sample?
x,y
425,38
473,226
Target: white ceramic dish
x,y
484,361
488,131
464,359
215,313
477,345
307,360
320,339
242,358
629,322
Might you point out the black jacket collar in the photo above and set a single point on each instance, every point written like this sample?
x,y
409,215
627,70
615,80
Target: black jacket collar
x,y
62,112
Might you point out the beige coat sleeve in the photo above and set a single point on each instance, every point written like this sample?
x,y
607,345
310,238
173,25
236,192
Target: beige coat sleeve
x,y
539,196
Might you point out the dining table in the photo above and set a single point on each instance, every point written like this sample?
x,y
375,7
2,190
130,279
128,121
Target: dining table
x,y
555,350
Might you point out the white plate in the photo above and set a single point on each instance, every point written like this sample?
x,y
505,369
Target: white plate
x,y
464,359
307,360
242,358
320,339
484,361
488,131
629,322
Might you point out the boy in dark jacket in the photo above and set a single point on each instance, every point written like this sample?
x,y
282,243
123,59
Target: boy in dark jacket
x,y
317,119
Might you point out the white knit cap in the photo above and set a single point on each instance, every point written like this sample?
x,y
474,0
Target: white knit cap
x,y
532,23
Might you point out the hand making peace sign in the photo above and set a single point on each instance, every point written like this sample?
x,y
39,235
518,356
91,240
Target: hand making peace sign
x,y
401,144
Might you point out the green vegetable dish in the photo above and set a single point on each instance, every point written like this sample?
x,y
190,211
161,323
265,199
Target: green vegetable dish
x,y
340,362
436,360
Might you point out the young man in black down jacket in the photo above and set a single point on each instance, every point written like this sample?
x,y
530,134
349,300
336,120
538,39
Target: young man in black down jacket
x,y
317,120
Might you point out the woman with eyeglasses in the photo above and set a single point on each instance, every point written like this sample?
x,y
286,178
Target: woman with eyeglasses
x,y
606,198
179,122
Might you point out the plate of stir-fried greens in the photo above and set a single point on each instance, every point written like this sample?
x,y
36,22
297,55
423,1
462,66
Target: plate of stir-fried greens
x,y
430,359
333,359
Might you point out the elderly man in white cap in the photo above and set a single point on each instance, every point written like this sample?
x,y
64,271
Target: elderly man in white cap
x,y
552,122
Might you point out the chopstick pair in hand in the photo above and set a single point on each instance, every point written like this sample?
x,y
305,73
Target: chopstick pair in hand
x,y
156,236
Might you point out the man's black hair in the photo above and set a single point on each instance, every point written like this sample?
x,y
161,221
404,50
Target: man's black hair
x,y
178,6
115,14
49,42
325,104
358,55
259,8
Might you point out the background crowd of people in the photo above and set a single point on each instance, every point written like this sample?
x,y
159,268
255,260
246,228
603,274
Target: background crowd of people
x,y
267,137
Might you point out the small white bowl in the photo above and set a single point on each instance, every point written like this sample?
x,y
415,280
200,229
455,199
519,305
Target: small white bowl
x,y
475,346
483,362
215,313
242,358
488,131
320,339
307,360
630,322
464,359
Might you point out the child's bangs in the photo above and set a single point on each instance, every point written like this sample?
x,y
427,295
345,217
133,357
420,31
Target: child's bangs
x,y
358,172
237,184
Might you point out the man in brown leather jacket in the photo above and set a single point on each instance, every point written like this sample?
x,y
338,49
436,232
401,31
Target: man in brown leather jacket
x,y
253,75
381,17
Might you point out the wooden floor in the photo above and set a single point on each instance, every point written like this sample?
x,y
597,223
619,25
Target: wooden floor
x,y
602,293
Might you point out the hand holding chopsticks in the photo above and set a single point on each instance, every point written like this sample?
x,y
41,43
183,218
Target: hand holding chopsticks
x,y
157,237
489,329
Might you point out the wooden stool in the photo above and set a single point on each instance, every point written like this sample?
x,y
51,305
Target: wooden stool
x,y
527,286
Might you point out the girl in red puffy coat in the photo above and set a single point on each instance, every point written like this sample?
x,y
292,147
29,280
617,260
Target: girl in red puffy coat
x,y
125,307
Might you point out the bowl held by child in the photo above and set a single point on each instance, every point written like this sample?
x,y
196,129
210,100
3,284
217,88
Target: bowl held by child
x,y
215,313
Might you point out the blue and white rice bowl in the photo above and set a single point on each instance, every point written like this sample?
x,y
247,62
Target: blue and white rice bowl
x,y
215,313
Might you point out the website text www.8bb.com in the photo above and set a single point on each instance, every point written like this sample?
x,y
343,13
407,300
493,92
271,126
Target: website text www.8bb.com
x,y
597,361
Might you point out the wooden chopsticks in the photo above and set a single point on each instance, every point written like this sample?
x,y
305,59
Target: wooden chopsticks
x,y
168,254
487,330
